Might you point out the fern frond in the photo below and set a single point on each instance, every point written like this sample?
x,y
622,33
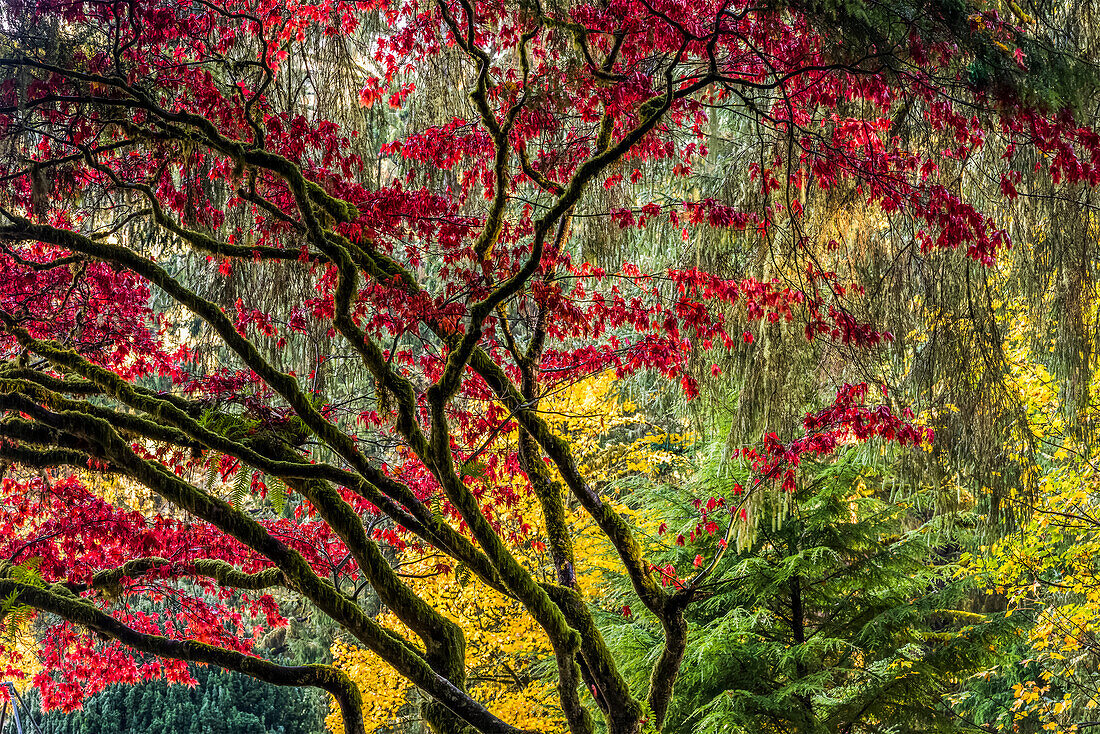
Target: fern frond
x,y
276,492
241,483
8,604
14,615
27,572
212,471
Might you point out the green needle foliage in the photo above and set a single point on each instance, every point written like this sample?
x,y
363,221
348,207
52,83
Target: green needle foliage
x,y
842,612
221,703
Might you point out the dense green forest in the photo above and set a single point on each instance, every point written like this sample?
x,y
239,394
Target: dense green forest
x,y
219,703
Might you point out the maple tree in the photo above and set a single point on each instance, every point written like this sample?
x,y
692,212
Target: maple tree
x,y
504,646
151,148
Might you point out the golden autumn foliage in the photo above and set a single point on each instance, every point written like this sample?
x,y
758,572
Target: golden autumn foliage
x,y
503,650
1046,568
509,659
22,646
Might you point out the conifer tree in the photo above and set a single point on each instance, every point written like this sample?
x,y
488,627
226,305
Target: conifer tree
x,y
838,612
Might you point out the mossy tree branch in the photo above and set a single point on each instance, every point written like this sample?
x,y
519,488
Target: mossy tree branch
x,y
64,603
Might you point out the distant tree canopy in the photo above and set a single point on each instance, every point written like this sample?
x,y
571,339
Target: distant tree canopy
x,y
219,703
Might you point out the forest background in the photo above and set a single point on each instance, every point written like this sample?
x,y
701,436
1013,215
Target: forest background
x,y
944,583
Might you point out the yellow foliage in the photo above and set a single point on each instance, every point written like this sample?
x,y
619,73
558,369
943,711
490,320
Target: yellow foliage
x,y
21,652
509,660
503,646
1047,568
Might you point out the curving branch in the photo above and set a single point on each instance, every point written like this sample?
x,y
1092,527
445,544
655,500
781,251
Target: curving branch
x,y
64,603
